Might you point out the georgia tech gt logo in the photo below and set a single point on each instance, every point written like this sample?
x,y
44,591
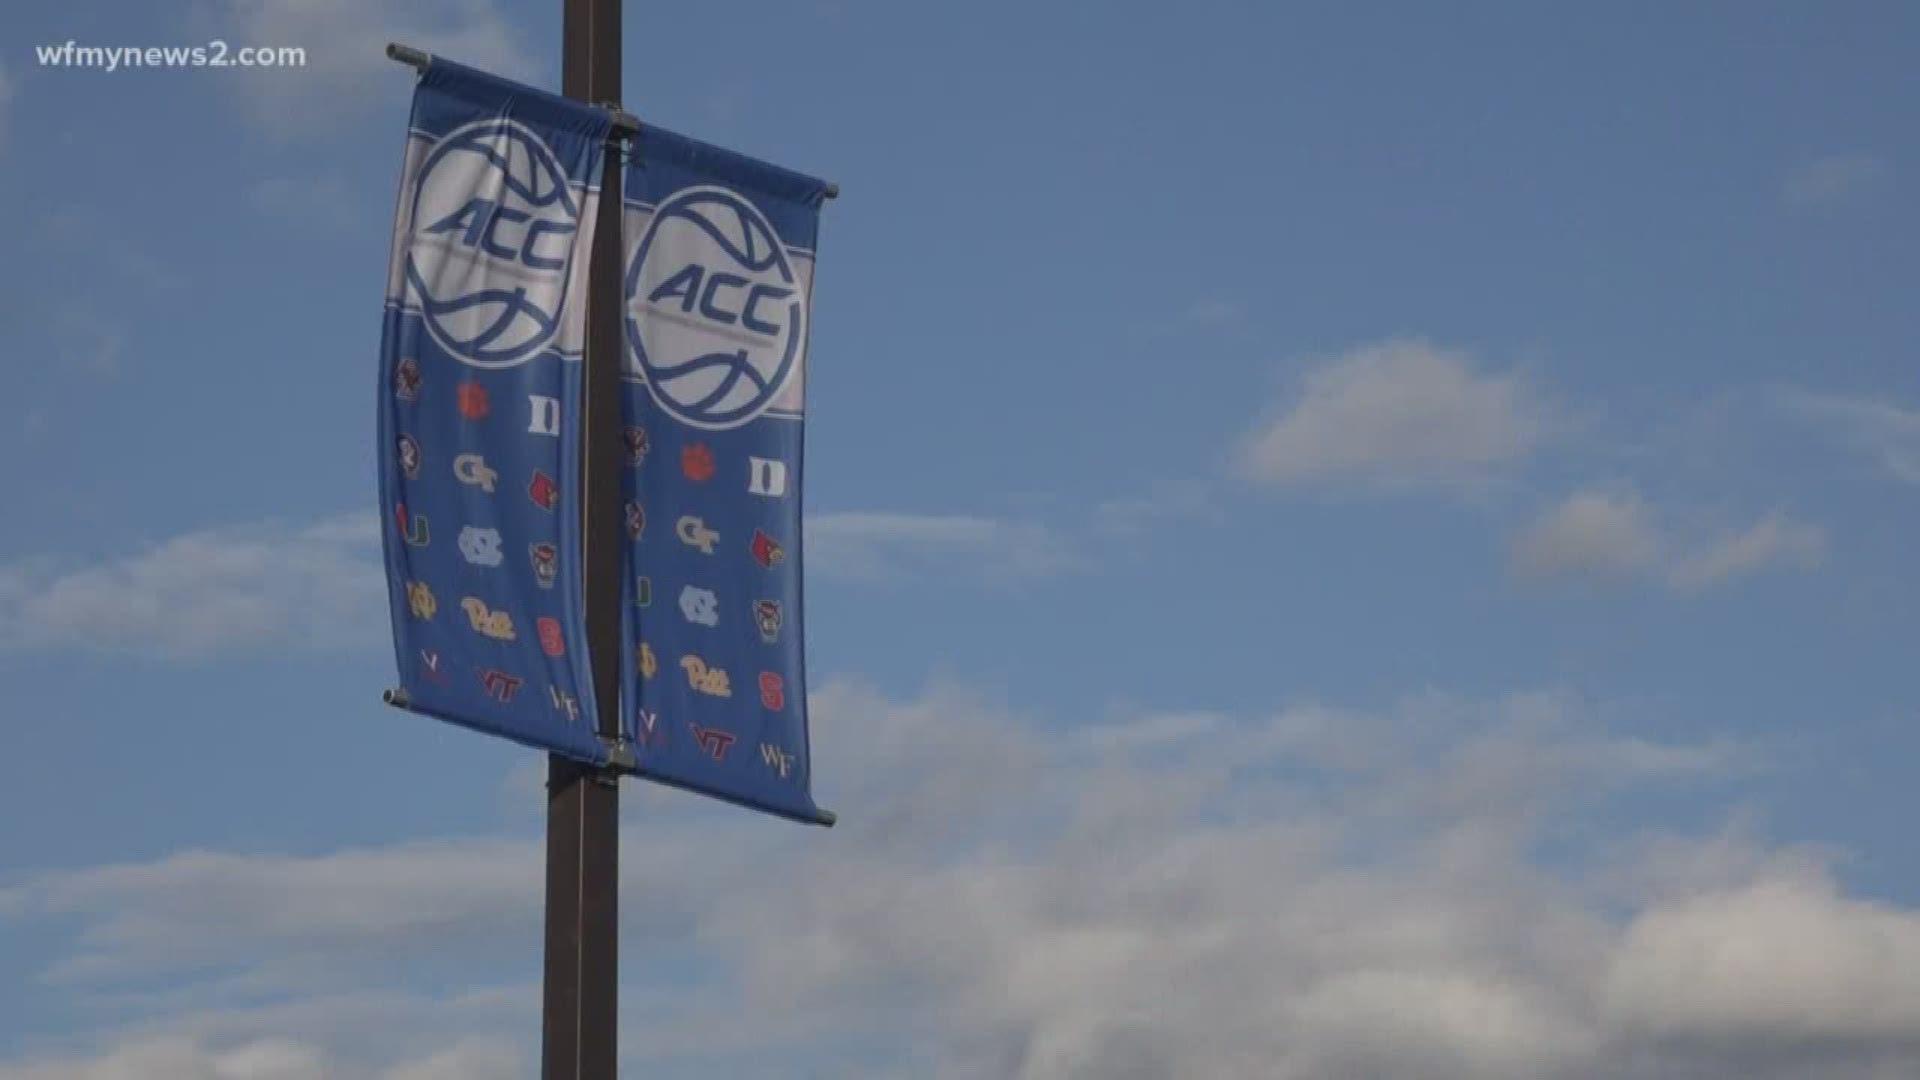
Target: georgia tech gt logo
x,y
694,533
472,469
497,625
716,308
704,679
494,219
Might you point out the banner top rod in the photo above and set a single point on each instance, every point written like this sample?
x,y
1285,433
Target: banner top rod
x,y
625,124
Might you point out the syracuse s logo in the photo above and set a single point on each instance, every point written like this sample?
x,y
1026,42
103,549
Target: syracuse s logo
x,y
716,309
494,220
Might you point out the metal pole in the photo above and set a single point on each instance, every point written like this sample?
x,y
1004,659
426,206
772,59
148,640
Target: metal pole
x,y
580,1013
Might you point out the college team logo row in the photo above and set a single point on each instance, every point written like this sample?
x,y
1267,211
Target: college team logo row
x,y
703,607
482,546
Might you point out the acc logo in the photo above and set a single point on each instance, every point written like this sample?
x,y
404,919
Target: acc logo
x,y
546,563
716,310
766,616
420,600
644,659
492,246
497,625
472,469
700,606
480,546
406,380
409,456
694,533
773,691
704,679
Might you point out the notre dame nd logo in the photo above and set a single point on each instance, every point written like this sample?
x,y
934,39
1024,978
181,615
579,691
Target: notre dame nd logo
x,y
716,309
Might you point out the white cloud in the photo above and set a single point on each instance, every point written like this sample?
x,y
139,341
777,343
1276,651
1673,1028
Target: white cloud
x,y
1835,179
168,1057
1615,536
1321,892
1398,415
1873,425
347,72
1592,533
204,592
1774,542
872,546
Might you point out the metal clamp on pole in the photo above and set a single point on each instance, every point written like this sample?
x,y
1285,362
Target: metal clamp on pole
x,y
397,698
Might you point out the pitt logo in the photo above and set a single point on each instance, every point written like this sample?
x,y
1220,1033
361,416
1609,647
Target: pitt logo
x,y
712,741
777,759
694,533
494,220
499,685
706,680
497,625
716,309
472,469
420,600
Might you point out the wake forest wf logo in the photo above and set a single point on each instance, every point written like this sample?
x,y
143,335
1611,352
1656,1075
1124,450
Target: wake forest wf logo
x,y
716,309
492,247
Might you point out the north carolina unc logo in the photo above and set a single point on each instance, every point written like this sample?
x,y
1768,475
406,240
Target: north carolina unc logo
x,y
716,309
493,234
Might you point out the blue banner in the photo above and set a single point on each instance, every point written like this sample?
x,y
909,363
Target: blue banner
x,y
480,387
719,274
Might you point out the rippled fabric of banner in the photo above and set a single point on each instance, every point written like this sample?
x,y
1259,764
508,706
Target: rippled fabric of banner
x,y
719,272
480,384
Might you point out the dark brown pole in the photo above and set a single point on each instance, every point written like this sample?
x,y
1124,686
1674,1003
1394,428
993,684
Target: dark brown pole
x,y
581,1011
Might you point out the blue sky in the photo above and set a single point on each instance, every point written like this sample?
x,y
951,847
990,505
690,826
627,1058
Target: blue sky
x,y
1343,539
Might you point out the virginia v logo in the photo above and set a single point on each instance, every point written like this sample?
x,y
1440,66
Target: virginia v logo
x,y
716,309
492,246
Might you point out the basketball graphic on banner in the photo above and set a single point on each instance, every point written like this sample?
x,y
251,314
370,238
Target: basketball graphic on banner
x,y
492,246
716,311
